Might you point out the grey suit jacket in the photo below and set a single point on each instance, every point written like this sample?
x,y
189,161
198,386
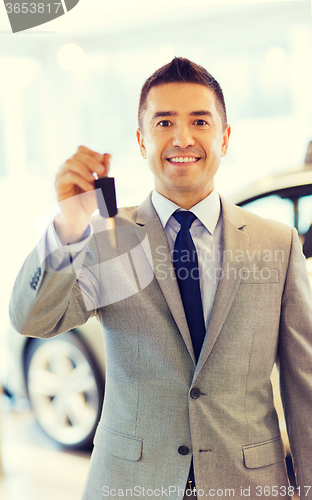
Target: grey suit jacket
x,y
160,409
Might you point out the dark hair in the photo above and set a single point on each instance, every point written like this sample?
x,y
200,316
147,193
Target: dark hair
x,y
181,70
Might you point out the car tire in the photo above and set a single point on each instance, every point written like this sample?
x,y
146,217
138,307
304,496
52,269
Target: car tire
x,y
65,389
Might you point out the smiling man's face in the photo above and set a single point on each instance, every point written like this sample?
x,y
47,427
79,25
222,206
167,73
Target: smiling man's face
x,y
183,141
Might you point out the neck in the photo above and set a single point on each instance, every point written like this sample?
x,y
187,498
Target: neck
x,y
185,200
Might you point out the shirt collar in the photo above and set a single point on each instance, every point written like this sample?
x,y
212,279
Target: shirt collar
x,y
207,210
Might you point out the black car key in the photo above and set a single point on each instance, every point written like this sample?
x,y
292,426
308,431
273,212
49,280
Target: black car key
x,y
106,198
107,203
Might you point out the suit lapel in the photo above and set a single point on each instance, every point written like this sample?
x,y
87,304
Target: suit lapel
x,y
235,242
162,266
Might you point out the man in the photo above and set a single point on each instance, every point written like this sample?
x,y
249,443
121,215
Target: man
x,y
180,402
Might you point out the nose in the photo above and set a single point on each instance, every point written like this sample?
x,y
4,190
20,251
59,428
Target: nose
x,y
182,137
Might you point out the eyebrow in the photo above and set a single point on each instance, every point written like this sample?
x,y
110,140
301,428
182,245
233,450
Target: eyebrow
x,y
164,113
201,112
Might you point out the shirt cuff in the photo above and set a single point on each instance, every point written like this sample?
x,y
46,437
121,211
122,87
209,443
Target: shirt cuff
x,y
61,256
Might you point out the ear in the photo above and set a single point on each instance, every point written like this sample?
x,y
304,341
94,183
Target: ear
x,y
141,142
225,140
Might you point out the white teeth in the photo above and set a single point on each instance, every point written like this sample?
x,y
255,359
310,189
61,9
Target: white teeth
x,y
182,159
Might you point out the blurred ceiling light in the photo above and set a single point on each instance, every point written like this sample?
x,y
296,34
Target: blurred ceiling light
x,y
72,58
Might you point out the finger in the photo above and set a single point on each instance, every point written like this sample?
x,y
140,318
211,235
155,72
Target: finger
x,y
81,167
90,162
106,162
70,179
91,158
89,152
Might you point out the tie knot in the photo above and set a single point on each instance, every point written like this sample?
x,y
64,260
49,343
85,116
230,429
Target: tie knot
x,y
185,219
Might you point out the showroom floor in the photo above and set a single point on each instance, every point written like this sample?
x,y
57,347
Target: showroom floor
x,y
33,468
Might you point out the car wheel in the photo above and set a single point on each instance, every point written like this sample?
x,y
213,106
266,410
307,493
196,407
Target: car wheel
x,y
65,389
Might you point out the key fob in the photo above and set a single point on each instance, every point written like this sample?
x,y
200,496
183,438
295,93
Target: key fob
x,y
106,196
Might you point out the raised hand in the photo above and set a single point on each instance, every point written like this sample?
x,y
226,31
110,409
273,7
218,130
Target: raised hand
x,y
74,186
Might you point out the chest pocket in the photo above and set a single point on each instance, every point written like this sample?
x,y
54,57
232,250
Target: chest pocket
x,y
260,277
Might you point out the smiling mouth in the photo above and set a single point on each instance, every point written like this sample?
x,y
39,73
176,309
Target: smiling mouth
x,y
183,159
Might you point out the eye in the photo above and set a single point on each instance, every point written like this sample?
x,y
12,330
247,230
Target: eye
x,y
201,123
164,123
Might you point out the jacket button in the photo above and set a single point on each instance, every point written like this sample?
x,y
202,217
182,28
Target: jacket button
x,y
183,450
195,393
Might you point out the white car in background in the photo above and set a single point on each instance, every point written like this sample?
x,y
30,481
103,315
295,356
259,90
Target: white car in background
x,y
285,196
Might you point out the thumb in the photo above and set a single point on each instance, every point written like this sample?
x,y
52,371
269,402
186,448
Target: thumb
x,y
106,162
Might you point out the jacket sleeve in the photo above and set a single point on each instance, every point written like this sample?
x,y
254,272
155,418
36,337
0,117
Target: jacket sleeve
x,y
45,302
295,362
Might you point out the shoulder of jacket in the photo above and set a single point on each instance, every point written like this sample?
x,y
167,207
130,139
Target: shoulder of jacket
x,y
257,226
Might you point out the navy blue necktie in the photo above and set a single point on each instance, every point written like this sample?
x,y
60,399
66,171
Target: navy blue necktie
x,y
185,262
